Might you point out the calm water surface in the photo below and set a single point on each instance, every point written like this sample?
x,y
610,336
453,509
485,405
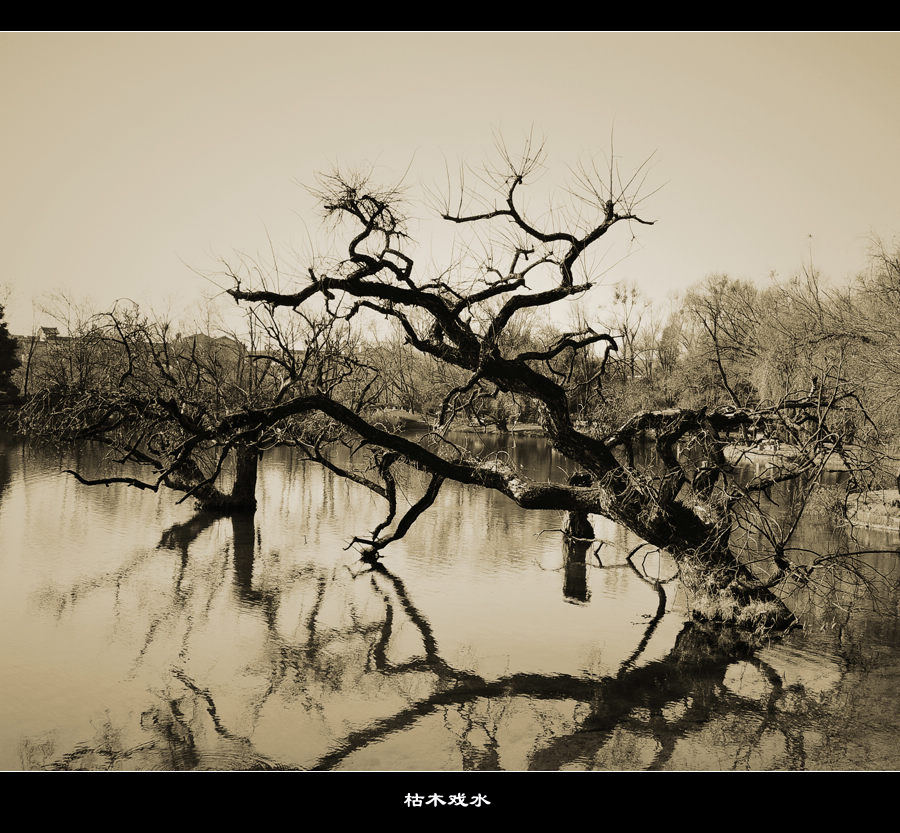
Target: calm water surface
x,y
136,635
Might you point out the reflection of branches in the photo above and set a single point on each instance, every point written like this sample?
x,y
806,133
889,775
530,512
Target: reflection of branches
x,y
478,720
462,688
655,704
769,712
59,600
204,695
663,700
177,537
180,536
695,666
174,725
696,663
651,625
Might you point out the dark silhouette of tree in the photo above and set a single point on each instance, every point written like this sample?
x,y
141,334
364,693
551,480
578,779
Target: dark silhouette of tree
x,y
683,497
166,402
667,474
9,359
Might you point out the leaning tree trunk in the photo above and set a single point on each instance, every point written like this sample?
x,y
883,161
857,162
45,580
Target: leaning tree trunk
x,y
721,588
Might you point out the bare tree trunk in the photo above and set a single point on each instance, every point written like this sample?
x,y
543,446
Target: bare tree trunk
x,y
577,525
242,497
578,534
243,493
575,570
28,359
722,589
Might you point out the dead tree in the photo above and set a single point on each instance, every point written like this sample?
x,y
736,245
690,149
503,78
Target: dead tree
x,y
166,403
459,317
683,497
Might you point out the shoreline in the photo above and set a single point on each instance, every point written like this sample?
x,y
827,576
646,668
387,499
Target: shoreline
x,y
775,456
876,509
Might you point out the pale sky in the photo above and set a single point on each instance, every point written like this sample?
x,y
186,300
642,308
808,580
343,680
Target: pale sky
x,y
132,161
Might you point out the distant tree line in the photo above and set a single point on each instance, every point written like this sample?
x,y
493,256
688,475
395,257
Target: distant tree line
x,y
724,342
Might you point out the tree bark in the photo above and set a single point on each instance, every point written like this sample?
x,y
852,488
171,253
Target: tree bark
x,y
577,525
243,493
242,497
724,590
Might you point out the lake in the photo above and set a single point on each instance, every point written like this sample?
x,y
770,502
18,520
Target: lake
x,y
138,636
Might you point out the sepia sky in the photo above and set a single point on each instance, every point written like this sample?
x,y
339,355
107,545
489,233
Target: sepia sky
x,y
131,162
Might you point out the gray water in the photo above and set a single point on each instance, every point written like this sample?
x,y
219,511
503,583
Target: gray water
x,y
136,635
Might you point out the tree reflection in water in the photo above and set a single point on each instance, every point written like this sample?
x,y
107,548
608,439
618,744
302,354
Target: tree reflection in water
x,y
633,718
